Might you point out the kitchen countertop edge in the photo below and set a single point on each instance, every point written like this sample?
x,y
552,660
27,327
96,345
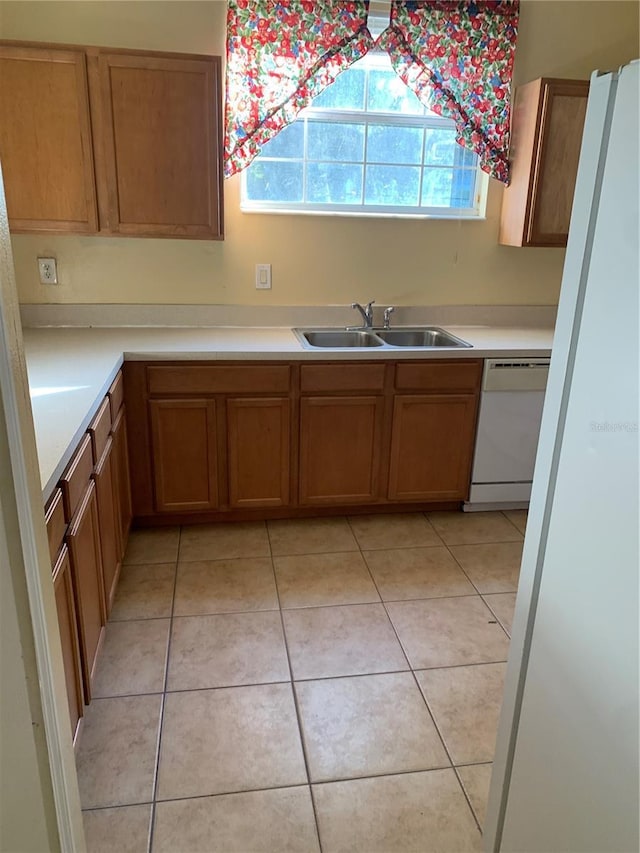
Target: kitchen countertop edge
x,y
67,390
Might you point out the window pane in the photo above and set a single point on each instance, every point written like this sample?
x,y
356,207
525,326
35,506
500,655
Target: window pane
x,y
273,180
448,187
388,93
345,93
334,183
288,143
387,144
397,185
332,141
463,188
441,149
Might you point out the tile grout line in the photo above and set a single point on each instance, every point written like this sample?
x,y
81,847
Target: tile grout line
x,y
498,541
294,694
424,699
329,781
163,702
523,533
295,681
504,627
462,569
316,606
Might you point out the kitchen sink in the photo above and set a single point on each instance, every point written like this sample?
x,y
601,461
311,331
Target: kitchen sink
x,y
418,337
424,337
338,338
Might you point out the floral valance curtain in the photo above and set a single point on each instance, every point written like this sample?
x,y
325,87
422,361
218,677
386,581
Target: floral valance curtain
x,y
456,56
280,55
458,59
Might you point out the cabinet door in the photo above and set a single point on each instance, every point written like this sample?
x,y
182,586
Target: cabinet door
x,y
340,445
122,480
548,120
108,506
67,622
564,111
83,540
258,451
184,453
432,447
160,124
45,140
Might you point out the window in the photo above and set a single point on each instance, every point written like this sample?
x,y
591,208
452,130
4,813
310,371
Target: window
x,y
366,145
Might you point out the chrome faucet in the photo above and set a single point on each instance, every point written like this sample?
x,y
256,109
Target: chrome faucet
x,y
387,316
367,315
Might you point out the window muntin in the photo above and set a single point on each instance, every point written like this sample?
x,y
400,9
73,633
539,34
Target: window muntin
x,y
366,145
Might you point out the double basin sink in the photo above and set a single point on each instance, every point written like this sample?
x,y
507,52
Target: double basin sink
x,y
416,337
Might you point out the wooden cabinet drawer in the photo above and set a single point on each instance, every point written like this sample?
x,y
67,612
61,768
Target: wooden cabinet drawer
x,y
56,525
116,396
341,377
99,430
74,480
219,379
447,376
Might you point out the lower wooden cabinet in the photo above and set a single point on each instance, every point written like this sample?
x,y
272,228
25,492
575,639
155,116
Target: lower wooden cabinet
x,y
184,454
238,439
340,449
88,519
83,541
107,494
122,480
432,447
69,639
258,451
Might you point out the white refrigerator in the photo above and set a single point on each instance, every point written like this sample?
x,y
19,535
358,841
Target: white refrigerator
x,y
566,771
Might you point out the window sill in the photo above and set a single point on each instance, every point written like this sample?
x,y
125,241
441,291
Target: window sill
x,y
362,215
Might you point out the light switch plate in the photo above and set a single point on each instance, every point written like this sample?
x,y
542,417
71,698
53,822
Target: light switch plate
x,y
263,276
48,270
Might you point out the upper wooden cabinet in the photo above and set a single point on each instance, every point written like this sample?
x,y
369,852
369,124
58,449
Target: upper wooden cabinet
x,y
159,131
113,142
45,140
548,121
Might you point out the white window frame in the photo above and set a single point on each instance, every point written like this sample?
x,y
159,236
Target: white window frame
x,y
363,117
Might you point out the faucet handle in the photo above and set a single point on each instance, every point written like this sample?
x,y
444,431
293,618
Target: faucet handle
x,y
387,316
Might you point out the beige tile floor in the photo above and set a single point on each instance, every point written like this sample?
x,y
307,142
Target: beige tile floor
x,y
308,685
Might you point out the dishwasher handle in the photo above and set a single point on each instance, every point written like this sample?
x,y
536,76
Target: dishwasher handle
x,y
529,374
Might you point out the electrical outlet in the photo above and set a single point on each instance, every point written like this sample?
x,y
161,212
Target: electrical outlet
x,y
263,276
48,270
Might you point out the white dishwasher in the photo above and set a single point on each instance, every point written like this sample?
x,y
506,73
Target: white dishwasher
x,y
507,437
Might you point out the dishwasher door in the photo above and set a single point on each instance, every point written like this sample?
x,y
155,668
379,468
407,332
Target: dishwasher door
x,y
508,428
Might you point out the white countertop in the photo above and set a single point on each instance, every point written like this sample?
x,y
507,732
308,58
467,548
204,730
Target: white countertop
x,y
70,369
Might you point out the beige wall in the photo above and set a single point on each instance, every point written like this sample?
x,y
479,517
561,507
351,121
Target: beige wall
x,y
316,260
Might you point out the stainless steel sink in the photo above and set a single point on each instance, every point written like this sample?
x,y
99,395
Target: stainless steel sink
x,y
420,337
338,338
